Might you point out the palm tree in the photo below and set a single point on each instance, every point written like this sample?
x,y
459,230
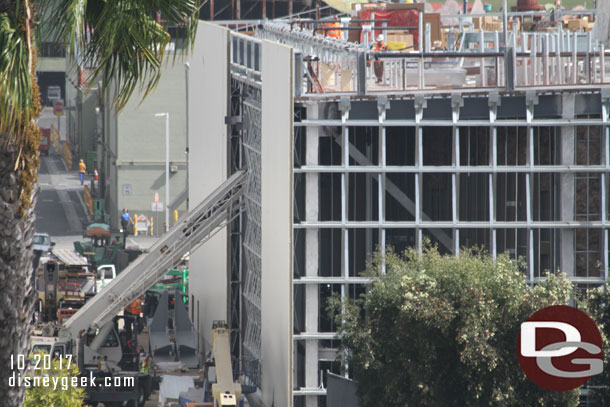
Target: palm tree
x,y
125,43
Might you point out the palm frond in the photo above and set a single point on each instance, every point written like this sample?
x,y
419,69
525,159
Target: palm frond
x,y
15,81
121,39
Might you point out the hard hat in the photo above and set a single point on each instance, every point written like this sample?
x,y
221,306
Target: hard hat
x,y
380,37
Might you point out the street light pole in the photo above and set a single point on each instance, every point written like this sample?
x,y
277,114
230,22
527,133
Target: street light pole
x,y
166,115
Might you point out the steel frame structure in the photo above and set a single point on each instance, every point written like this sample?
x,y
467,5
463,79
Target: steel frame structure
x,y
244,128
354,161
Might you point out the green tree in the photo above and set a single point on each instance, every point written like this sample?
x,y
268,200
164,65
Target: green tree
x,y
62,395
124,42
441,331
596,303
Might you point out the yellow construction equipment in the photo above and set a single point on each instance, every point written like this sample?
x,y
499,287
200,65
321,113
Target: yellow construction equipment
x,y
225,391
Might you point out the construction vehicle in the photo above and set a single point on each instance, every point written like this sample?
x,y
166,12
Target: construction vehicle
x,y
225,391
95,332
64,282
45,141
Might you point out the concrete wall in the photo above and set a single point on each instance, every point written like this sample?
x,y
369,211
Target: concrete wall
x,y
88,123
51,64
207,167
137,140
276,180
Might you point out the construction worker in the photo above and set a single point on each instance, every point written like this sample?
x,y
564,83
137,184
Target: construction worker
x,y
125,221
333,33
378,46
135,308
82,168
145,364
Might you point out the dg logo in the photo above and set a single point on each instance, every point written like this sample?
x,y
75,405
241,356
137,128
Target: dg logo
x,y
559,348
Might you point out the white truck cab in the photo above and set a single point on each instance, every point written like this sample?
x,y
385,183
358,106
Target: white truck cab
x,y
105,274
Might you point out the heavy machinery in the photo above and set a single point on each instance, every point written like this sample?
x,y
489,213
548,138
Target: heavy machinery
x,y
94,332
225,391
64,282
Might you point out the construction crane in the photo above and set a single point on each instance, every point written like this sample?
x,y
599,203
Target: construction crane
x,y
196,228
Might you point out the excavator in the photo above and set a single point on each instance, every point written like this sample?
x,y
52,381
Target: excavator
x,y
96,332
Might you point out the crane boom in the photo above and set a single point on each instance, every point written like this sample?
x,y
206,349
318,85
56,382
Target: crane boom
x,y
199,225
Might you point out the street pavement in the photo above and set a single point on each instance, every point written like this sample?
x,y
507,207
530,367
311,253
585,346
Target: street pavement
x,y
60,209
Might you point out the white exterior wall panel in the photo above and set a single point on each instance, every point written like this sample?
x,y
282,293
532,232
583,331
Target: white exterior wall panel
x,y
276,295
208,106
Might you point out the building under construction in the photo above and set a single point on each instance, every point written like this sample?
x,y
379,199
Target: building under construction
x,y
467,140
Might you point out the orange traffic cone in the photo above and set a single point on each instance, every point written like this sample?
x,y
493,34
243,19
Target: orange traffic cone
x,y
95,176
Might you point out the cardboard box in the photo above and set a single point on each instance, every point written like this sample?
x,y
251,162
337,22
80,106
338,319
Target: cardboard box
x,y
477,22
495,26
401,36
577,24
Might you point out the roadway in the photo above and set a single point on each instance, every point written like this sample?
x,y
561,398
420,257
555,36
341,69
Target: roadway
x,y
60,209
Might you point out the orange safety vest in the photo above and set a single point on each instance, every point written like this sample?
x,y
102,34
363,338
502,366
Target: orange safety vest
x,y
379,46
135,307
333,33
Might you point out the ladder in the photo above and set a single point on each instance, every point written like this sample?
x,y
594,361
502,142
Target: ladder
x,y
215,212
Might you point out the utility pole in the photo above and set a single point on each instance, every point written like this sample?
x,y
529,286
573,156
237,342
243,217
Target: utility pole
x,y
166,115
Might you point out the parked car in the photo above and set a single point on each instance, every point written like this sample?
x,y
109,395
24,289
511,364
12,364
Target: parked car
x,y
43,243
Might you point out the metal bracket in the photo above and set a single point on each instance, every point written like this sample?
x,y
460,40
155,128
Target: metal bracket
x,y
457,101
232,120
531,97
345,104
383,104
494,99
420,105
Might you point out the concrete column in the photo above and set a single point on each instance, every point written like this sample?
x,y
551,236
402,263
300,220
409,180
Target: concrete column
x,y
566,186
311,256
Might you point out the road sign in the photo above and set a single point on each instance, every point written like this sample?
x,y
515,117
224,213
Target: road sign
x,y
156,197
58,108
157,207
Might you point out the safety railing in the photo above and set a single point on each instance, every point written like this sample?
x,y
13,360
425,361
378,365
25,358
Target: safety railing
x,y
484,61
246,57
539,63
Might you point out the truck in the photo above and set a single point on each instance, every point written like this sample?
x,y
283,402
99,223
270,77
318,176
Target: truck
x,y
96,331
63,282
45,141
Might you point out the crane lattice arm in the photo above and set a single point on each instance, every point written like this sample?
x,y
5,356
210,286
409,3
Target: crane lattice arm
x,y
199,225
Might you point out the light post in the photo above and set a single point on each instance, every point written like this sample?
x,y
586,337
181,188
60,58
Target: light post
x,y
166,115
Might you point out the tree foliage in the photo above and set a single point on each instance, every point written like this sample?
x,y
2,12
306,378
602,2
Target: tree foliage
x,y
63,395
122,39
596,303
441,331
